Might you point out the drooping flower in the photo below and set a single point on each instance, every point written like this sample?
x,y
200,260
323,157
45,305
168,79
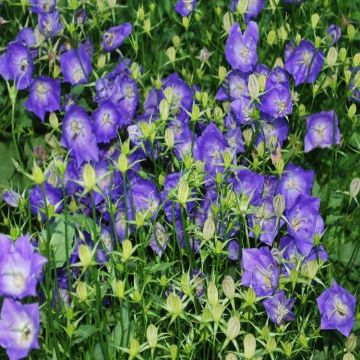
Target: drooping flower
x,y
20,267
302,218
42,6
322,130
16,64
77,135
334,33
241,48
44,96
295,181
210,147
159,239
304,63
260,271
337,309
278,308
49,23
185,7
19,327
12,198
75,65
115,36
106,122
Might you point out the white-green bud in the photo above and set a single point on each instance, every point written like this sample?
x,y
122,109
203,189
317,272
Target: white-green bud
x,y
249,346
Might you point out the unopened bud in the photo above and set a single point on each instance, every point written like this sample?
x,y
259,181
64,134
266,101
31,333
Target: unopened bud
x,y
228,21
183,192
249,297
271,37
81,291
119,289
185,22
249,346
354,187
270,344
185,284
152,335
253,86
350,343
195,113
348,356
242,6
171,54
174,305
247,135
122,164
342,54
222,73
351,31
164,108
176,41
89,177
169,138
216,312
133,348
212,294
173,352
314,20
147,26
231,356
352,111
127,250
38,175
228,157
228,287
279,205
233,328
53,120
209,229
85,255
332,56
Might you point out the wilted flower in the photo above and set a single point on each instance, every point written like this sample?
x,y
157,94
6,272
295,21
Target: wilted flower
x,y
278,308
49,23
17,64
304,62
115,36
44,96
337,309
185,7
241,48
322,130
19,327
260,271
76,65
77,135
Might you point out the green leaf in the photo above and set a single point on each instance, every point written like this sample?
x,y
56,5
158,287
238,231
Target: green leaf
x,y
83,333
7,153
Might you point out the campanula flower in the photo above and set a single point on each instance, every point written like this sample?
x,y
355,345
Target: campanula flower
x,y
248,183
234,87
277,102
337,309
19,327
106,122
334,33
233,250
273,132
322,130
185,7
12,198
278,308
49,23
260,271
253,9
44,96
20,267
76,65
42,6
304,63
241,48
159,239
26,37
115,36
16,64
78,136
295,181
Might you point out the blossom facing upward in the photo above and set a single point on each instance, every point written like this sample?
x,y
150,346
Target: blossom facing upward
x,y
241,48
106,122
75,65
44,96
16,64
19,327
260,271
20,267
185,7
337,309
42,6
77,135
278,308
304,62
115,36
322,130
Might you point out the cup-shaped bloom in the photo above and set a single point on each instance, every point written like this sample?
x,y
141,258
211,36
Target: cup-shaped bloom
x,y
234,87
304,63
19,327
295,181
76,65
16,64
185,7
49,23
260,271
337,309
322,130
210,147
273,132
252,10
42,6
106,122
77,135
248,183
115,36
241,48
44,96
278,308
277,102
20,267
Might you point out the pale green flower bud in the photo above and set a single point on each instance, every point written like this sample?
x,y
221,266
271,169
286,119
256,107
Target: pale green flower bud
x,y
147,26
173,352
350,343
89,177
228,287
127,250
348,356
85,255
209,229
287,346
222,73
271,37
133,348
356,60
228,21
342,54
81,292
195,113
152,335
174,305
183,192
354,187
136,296
141,14
186,22
352,111
122,163
119,289
53,120
176,41
231,356
317,41
233,328
279,205
253,86
38,175
242,6
270,345
279,62
249,346
351,31
164,109
169,138
185,284
247,135
331,56
216,312
171,54
212,294
249,297
314,20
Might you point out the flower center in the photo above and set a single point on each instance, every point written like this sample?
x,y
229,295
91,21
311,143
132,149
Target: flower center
x,y
307,57
281,106
106,119
129,92
109,38
41,88
76,128
340,308
244,52
78,73
281,312
18,281
188,4
295,222
24,65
